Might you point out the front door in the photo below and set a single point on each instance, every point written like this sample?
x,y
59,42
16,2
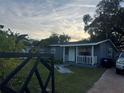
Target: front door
x,y
72,54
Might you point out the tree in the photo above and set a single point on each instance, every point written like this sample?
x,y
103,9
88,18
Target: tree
x,y
107,23
11,41
1,26
54,39
87,18
64,38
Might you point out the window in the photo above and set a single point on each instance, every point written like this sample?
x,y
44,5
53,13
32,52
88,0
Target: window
x,y
84,51
110,52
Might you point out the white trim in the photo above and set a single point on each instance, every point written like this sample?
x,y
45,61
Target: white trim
x,y
86,44
62,45
92,54
103,41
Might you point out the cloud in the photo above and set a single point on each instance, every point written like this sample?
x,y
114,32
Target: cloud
x,y
42,17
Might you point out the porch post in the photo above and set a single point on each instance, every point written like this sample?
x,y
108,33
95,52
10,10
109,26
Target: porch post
x,y
63,54
76,54
92,55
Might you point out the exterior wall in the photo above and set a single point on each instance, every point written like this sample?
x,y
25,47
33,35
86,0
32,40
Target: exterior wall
x,y
97,52
102,51
45,50
58,55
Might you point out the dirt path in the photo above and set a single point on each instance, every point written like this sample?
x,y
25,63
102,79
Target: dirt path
x,y
110,82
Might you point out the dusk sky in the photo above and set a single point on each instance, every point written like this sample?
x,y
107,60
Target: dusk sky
x,y
40,18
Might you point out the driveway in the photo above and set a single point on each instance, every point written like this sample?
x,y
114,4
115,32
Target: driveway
x,y
109,82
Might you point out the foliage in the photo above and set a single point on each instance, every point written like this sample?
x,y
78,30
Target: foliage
x,y
54,39
107,23
87,18
7,41
10,41
64,38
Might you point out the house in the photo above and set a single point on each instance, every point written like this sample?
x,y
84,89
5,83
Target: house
x,y
84,53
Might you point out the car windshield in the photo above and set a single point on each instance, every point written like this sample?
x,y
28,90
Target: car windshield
x,y
122,55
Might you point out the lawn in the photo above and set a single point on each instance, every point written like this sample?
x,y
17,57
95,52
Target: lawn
x,y
78,82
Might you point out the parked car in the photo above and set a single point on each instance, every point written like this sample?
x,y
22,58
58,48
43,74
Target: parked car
x,y
107,62
120,63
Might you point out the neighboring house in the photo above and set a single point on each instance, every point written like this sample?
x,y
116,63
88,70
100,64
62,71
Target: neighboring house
x,y
84,53
46,50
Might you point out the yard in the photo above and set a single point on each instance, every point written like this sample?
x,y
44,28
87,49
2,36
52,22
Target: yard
x,y
77,82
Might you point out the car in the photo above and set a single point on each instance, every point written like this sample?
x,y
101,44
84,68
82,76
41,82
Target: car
x,y
120,63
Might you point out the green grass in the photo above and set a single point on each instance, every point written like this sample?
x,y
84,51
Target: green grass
x,y
78,82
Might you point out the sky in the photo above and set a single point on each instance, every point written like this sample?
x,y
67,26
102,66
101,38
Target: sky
x,y
40,18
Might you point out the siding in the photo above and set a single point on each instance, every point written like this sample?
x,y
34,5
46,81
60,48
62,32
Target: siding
x,y
97,52
101,51
104,48
58,53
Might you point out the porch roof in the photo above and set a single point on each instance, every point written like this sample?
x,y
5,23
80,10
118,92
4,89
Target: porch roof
x,y
79,43
83,44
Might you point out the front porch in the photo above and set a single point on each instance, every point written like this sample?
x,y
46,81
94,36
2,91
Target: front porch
x,y
80,55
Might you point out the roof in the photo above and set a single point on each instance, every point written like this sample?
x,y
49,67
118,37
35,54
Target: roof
x,y
83,43
79,43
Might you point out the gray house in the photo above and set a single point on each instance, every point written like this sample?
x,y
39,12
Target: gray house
x,y
84,53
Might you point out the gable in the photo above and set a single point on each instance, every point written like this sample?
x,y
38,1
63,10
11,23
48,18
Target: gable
x,y
109,44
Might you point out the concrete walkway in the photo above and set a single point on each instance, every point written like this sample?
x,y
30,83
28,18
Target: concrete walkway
x,y
110,82
63,69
